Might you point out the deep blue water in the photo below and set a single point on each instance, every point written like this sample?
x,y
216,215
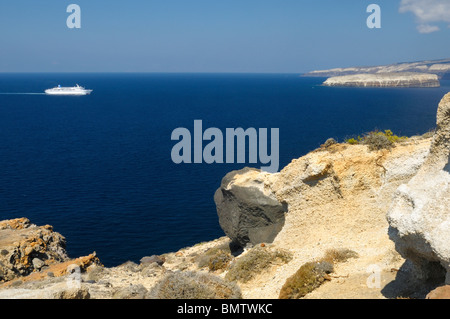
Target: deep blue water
x,y
98,168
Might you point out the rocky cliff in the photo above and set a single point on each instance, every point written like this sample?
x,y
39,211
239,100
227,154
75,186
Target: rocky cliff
x,y
397,79
387,207
336,197
419,218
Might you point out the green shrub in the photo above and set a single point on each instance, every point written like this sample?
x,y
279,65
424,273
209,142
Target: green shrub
x,y
352,141
312,274
194,285
254,261
377,140
309,277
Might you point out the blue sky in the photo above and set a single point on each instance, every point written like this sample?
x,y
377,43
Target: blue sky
x,y
261,36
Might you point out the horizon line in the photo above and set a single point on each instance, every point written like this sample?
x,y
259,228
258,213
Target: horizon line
x,y
142,72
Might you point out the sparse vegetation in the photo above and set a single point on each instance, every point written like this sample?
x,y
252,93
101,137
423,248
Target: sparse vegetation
x,y
377,140
340,255
256,260
329,142
215,258
194,285
309,277
353,141
312,274
219,260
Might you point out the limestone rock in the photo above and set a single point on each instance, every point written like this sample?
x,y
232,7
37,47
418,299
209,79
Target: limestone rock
x,y
74,293
419,217
440,293
152,259
397,79
248,211
131,292
27,247
37,263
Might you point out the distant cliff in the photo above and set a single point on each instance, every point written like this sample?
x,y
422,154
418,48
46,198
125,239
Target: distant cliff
x,y
439,67
397,79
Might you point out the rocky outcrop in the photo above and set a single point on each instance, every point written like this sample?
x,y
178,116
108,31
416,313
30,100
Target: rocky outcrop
x,y
334,197
337,197
419,218
25,248
248,210
251,204
86,278
408,79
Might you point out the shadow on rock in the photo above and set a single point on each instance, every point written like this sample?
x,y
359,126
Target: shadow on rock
x,y
406,285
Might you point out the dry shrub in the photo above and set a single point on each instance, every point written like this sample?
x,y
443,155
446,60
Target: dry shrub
x,y
256,260
334,256
194,285
329,142
309,277
215,258
312,274
378,140
219,260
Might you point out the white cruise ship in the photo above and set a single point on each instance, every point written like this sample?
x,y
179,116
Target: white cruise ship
x,y
75,90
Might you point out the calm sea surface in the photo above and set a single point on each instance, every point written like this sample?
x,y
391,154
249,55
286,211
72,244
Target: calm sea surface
x,y
98,168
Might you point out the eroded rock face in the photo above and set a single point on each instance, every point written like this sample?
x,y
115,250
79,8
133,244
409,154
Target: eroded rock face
x,y
248,210
25,248
419,217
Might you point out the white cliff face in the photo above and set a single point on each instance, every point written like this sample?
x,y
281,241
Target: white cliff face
x,y
419,217
439,68
399,79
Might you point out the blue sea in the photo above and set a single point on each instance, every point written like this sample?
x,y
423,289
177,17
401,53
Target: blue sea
x,y
99,169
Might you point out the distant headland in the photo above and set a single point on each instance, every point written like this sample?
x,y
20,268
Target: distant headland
x,y
408,74
397,79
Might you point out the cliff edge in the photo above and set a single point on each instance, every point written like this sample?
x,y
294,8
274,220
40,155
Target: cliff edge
x,y
325,211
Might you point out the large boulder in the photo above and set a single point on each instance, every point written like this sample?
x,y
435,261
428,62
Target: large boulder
x,y
419,217
247,208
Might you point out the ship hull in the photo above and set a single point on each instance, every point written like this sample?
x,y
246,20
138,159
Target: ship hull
x,y
74,90
84,92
